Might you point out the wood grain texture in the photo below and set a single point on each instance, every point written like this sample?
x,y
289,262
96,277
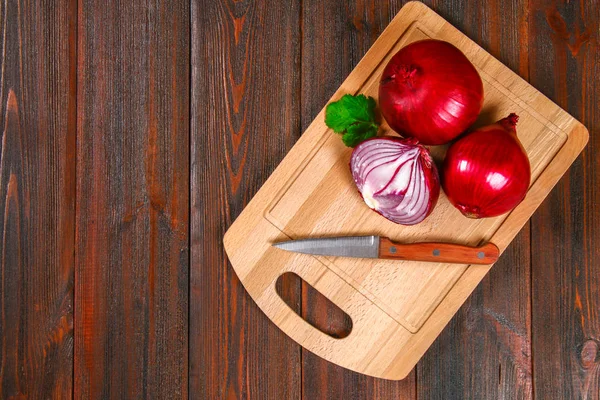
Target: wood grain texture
x,y
131,277
485,351
245,118
564,60
37,198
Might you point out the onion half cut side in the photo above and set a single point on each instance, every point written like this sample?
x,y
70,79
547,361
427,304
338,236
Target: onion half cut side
x,y
396,178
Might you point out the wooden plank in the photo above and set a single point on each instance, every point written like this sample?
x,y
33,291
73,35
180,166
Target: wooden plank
x,y
335,36
245,118
131,277
485,351
37,197
564,61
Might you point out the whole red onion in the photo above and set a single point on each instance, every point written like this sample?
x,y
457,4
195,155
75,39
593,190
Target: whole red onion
x,y
397,178
487,172
430,91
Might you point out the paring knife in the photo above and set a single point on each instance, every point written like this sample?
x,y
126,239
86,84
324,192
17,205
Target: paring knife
x,y
381,247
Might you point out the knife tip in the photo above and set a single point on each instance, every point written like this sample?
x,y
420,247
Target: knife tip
x,y
285,245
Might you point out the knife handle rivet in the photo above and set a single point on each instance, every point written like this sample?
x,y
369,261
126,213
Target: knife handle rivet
x,y
436,252
392,249
480,255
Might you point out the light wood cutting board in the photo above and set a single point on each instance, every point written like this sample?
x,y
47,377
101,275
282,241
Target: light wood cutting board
x,y
397,307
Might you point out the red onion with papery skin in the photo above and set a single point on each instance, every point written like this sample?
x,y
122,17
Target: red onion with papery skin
x,y
397,178
487,173
430,91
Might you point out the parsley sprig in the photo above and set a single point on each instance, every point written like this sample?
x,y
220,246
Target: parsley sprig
x,y
353,117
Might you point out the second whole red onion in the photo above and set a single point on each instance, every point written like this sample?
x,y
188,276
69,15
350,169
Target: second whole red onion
x,y
487,173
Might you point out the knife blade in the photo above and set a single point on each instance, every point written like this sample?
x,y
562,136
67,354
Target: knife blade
x,y
384,248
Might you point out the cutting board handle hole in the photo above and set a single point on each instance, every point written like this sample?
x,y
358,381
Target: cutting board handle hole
x,y
312,306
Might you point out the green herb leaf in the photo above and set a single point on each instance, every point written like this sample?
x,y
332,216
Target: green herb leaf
x,y
353,116
358,132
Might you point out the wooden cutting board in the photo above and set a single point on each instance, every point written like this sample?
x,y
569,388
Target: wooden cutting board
x,y
397,307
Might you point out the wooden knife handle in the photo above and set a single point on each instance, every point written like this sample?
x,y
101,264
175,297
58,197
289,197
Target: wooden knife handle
x,y
438,252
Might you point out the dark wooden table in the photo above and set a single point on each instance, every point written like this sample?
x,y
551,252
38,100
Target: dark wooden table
x,y
134,132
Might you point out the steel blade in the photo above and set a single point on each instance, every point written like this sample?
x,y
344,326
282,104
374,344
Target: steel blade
x,y
347,246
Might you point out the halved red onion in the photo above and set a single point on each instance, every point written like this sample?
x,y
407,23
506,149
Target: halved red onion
x,y
397,178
